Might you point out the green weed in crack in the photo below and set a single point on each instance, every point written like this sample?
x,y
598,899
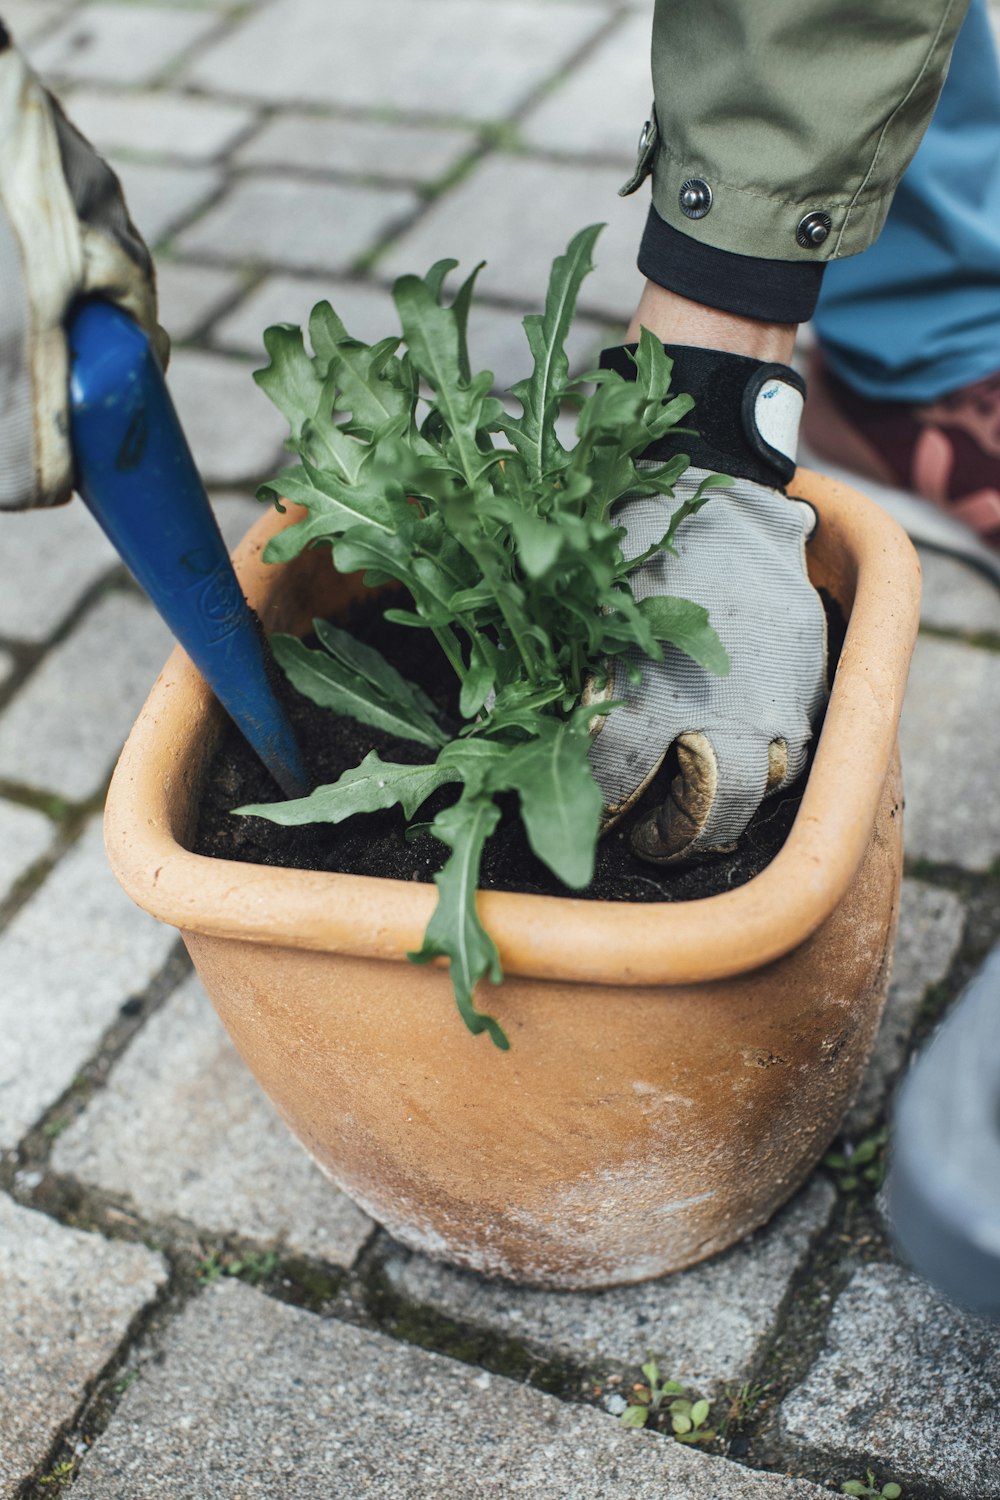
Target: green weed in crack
x,y
505,542
666,1405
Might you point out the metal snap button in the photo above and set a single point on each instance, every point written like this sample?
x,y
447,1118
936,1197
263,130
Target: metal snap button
x,y
813,229
695,198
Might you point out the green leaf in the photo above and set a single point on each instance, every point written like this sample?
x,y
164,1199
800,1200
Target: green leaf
x,y
891,1491
533,434
634,1416
433,337
681,1422
560,802
291,380
476,687
334,506
686,625
332,685
455,931
435,279
854,1487
651,1370
371,665
363,374
478,763
371,787
460,307
699,1413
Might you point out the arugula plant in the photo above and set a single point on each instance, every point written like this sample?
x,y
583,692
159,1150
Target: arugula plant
x,y
507,549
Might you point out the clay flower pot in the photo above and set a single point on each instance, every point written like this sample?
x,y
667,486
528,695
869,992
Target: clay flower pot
x,y
675,1070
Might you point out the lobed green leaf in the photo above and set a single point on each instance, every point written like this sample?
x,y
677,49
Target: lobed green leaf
x,y
327,681
686,625
455,931
372,786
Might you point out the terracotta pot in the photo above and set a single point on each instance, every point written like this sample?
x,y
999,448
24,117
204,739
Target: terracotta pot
x,y
675,1070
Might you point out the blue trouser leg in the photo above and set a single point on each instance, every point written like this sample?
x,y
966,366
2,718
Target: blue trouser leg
x,y
918,314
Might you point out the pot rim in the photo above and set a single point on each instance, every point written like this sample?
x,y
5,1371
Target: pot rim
x,y
547,937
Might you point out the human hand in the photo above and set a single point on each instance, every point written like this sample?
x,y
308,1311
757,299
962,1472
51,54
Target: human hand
x,y
728,741
65,233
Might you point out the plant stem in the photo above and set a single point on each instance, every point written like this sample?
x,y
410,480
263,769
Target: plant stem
x,y
445,637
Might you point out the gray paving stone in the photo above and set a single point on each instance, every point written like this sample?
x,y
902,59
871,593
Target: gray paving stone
x,y
158,123
234,432
486,217
67,1301
930,930
191,294
28,19
390,53
371,148
496,338
907,1380
183,1131
160,198
70,957
598,110
235,512
25,835
117,44
706,1327
51,558
956,597
949,733
274,220
302,1406
64,729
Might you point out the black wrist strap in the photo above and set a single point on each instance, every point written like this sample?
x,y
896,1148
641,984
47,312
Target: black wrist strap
x,y
745,416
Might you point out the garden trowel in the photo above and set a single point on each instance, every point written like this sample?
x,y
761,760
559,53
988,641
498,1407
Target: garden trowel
x,y
136,474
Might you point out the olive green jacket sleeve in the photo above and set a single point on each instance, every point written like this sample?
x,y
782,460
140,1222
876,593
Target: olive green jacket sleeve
x,y
797,116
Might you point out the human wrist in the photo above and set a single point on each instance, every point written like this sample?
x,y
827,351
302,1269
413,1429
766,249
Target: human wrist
x,y
677,320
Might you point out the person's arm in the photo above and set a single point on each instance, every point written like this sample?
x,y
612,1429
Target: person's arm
x,y
778,136
65,233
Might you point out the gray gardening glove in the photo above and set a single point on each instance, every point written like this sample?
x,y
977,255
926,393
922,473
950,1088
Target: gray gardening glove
x,y
732,740
64,233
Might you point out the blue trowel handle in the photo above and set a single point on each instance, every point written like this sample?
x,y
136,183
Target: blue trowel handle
x,y
136,474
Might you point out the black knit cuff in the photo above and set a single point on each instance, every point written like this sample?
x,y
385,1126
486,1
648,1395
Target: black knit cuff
x,y
774,291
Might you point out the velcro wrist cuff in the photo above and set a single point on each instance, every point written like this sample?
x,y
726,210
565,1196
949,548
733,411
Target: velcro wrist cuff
x,y
746,411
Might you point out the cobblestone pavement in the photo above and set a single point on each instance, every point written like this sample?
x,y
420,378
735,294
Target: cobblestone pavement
x,y
187,1307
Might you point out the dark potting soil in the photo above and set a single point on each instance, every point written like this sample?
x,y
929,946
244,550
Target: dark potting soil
x,y
374,843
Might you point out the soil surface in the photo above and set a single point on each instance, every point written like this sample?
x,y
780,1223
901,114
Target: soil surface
x,y
374,843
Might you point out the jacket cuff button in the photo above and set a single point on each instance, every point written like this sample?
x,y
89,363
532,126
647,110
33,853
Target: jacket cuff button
x,y
695,198
813,230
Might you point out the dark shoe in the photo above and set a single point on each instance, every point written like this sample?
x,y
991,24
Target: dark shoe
x,y
948,450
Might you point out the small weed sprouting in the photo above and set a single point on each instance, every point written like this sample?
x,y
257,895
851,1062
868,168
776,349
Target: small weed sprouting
x,y
740,1406
250,1267
510,559
57,1477
125,1382
890,1491
861,1167
667,1399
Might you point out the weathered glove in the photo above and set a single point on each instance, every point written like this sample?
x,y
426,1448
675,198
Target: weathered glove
x,y
64,232
731,741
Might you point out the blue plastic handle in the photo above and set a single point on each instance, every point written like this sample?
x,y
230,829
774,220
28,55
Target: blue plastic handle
x,y
136,474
